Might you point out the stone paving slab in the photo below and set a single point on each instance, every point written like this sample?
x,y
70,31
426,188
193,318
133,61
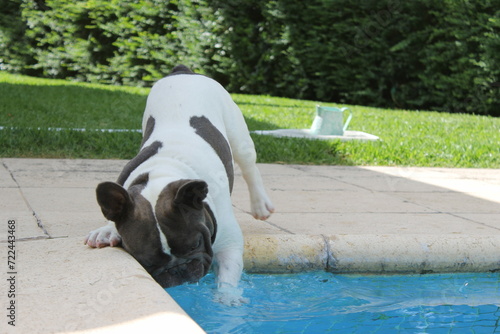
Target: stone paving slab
x,y
65,212
63,287
385,222
6,180
342,219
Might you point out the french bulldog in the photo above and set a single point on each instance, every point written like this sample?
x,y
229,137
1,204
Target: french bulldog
x,y
170,207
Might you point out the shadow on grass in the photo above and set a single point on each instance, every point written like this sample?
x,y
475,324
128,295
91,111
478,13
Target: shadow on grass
x,y
255,124
299,151
294,150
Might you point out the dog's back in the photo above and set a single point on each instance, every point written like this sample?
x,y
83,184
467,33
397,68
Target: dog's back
x,y
174,99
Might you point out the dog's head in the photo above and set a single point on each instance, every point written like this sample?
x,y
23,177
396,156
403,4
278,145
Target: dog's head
x,y
172,238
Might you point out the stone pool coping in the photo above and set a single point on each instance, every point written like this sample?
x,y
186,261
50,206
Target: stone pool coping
x,y
372,254
343,219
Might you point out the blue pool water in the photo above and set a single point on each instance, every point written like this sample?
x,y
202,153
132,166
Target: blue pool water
x,y
322,302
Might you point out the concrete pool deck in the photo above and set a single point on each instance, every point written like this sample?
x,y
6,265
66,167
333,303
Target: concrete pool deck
x,y
342,219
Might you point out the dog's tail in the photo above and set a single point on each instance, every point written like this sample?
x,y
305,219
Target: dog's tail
x,y
181,69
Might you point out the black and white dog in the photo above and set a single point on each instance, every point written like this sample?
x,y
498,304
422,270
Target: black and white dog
x,y
170,207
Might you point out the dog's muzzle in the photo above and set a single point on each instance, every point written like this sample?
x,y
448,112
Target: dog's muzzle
x,y
181,270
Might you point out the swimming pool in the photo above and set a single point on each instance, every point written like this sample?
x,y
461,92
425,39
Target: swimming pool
x,y
321,302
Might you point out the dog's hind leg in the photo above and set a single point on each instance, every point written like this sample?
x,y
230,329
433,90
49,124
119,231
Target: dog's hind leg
x,y
244,154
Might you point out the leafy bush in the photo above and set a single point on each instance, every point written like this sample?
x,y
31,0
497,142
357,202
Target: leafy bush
x,y
15,55
423,54
116,41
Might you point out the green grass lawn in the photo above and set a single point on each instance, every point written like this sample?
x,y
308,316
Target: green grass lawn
x,y
408,138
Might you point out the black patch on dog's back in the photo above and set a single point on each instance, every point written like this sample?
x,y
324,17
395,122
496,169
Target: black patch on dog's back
x,y
142,181
181,69
150,126
206,130
146,153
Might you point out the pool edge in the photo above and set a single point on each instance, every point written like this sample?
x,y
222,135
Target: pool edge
x,y
377,254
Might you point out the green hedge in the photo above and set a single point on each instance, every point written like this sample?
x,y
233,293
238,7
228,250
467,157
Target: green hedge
x,y
422,54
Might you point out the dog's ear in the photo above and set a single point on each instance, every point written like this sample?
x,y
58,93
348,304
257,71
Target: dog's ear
x,y
114,200
191,193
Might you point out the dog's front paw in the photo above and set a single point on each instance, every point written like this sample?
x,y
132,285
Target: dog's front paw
x,y
103,236
230,296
